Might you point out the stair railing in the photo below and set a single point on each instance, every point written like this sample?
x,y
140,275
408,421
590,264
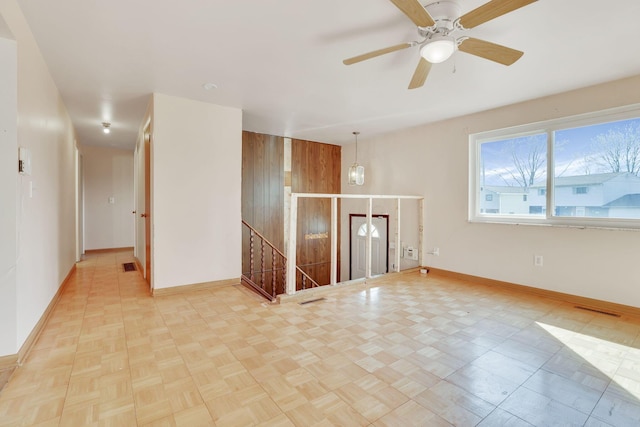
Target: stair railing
x,y
270,277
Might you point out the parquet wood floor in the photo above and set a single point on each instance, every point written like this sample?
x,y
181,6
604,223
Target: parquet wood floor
x,y
5,374
404,350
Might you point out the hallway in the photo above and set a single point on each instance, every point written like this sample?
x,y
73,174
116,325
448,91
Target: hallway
x,y
415,351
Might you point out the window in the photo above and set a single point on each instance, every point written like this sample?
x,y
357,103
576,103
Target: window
x,y
582,171
580,190
362,231
509,168
597,170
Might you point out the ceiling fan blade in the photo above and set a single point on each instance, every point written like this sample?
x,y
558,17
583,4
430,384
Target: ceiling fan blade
x,y
375,53
491,10
491,51
415,11
420,75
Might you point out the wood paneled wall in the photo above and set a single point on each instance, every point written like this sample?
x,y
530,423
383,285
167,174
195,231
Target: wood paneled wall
x,y
315,168
263,203
263,185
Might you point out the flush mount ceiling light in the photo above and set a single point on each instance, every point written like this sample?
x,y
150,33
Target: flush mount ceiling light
x,y
210,86
356,171
105,127
438,49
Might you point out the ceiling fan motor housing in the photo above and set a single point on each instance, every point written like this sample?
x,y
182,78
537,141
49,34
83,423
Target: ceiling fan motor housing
x,y
445,14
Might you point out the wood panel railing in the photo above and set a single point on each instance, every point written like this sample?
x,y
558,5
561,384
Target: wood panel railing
x,y
264,267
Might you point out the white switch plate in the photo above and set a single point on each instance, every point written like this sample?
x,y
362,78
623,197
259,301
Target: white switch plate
x,y
24,161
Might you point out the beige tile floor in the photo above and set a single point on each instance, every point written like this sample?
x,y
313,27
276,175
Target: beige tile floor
x,y
405,350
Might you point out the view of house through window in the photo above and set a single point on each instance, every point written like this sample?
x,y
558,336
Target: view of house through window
x,y
596,170
509,168
595,167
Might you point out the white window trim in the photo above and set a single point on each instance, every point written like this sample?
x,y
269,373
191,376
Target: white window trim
x,y
549,127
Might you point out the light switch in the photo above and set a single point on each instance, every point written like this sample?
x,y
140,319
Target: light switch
x,y
24,161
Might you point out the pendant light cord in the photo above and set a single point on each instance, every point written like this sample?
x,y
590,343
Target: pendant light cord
x,y
356,134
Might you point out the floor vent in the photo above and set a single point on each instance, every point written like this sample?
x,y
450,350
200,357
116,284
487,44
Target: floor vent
x,y
311,300
129,266
597,311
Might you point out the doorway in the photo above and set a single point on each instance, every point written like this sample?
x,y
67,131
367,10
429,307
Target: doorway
x,y
358,245
147,206
79,205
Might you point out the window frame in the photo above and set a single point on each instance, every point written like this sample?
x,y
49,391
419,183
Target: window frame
x,y
548,218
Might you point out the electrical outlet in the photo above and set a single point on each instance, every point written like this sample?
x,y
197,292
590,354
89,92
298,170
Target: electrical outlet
x,y
538,260
436,251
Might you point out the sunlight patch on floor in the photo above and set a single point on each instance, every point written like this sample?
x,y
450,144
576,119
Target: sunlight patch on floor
x,y
616,361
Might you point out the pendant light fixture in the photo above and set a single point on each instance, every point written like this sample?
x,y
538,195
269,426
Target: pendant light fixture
x,y
356,171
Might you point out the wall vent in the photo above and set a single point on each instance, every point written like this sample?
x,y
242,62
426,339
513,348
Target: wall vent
x,y
595,310
129,266
311,300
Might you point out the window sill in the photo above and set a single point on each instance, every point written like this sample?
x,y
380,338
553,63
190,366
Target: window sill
x,y
559,223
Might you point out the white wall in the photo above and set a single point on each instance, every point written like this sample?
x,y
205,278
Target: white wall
x,y
433,160
44,223
108,172
8,185
197,170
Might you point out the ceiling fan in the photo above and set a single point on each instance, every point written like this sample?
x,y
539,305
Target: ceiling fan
x,y
438,24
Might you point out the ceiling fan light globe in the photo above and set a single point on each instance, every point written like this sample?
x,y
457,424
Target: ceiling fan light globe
x,y
438,50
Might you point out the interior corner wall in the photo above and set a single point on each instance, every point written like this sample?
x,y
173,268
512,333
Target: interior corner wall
x,y
108,198
197,172
594,263
45,200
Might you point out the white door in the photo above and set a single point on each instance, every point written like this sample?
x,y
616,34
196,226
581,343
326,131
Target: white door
x,y
379,245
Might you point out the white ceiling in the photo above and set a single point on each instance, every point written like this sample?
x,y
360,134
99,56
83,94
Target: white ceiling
x,y
280,61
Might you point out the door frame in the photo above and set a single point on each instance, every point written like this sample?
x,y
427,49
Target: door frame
x,y
79,204
146,216
351,216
